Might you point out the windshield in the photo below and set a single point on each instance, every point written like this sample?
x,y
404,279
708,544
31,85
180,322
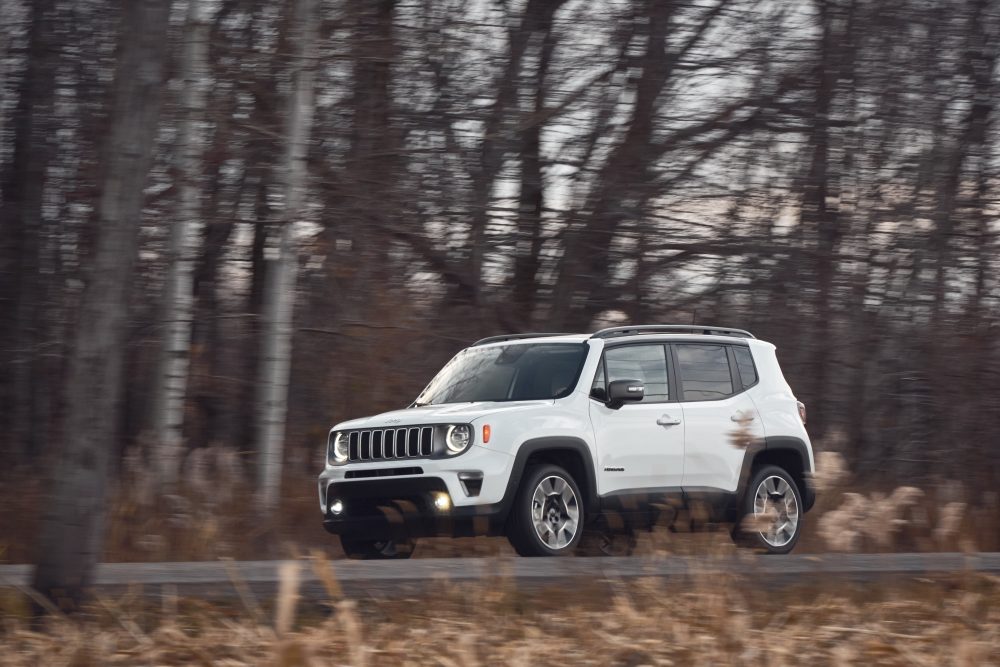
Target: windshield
x,y
507,373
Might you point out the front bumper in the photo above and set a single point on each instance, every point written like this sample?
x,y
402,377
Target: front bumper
x,y
396,498
405,508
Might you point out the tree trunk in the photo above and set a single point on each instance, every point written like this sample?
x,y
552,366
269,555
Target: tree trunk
x,y
279,297
72,529
20,239
531,200
372,159
820,215
185,235
246,426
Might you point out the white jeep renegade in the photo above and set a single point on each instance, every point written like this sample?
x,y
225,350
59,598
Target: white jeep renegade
x,y
546,437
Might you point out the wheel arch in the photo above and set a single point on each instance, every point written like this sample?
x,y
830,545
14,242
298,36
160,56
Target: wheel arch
x,y
568,452
788,453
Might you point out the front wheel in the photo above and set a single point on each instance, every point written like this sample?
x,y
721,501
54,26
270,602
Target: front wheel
x,y
376,549
547,516
771,512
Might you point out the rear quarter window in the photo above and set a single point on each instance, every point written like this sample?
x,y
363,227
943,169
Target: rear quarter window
x,y
744,362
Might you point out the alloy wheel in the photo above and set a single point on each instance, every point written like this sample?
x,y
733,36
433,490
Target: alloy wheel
x,y
777,509
555,512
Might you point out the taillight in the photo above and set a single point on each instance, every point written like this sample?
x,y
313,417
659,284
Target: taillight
x,y
802,411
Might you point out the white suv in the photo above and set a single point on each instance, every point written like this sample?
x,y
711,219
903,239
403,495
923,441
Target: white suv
x,y
543,437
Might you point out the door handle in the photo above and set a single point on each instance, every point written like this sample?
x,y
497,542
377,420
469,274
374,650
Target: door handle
x,y
667,420
743,417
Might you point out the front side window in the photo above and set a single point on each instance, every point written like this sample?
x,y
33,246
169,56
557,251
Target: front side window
x,y
519,372
646,363
704,372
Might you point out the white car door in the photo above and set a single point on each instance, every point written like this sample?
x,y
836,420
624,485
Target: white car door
x,y
640,445
721,419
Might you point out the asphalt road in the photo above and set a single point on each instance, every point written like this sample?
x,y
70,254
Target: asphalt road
x,y
389,578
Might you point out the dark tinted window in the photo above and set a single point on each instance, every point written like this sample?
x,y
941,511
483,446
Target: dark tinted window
x,y
646,363
744,361
704,372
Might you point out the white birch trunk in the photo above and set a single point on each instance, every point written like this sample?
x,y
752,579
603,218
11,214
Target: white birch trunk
x,y
279,297
185,236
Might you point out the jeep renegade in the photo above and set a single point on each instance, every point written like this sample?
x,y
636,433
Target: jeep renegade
x,y
543,437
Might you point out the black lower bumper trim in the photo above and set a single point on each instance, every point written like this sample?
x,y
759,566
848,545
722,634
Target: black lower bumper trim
x,y
404,508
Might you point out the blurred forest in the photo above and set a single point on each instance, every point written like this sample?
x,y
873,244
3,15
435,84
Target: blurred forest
x,y
237,222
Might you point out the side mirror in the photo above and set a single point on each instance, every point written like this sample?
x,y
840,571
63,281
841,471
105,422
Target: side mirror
x,y
625,391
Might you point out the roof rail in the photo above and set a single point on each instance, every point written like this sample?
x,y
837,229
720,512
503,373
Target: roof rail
x,y
506,337
635,330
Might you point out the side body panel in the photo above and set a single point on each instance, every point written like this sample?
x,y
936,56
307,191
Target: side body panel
x,y
634,451
776,404
717,435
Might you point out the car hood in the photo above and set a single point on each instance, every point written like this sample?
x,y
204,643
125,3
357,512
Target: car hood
x,y
442,414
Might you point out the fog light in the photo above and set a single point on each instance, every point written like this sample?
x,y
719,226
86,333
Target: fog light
x,y
336,507
442,502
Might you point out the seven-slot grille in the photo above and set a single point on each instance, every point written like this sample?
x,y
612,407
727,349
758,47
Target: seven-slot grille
x,y
390,443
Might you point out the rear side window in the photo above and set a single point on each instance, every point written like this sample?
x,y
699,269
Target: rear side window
x,y
704,372
744,362
646,363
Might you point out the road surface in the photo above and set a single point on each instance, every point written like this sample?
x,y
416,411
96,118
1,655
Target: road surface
x,y
229,578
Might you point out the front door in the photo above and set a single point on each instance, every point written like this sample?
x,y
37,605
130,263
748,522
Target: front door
x,y
640,446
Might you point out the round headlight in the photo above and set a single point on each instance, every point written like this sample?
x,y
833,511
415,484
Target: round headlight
x,y
339,449
458,438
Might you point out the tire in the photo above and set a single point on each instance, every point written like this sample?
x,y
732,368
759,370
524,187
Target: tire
x,y
548,515
771,494
377,549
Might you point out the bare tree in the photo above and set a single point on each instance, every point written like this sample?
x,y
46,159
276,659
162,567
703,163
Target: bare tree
x,y
185,236
23,186
820,172
69,544
279,299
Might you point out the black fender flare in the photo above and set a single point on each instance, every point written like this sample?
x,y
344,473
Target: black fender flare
x,y
773,443
551,444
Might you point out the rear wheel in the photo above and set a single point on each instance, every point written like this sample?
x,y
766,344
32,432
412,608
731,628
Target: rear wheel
x,y
771,512
547,516
377,549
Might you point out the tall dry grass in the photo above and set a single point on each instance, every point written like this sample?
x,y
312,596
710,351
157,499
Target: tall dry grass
x,y
942,517
725,620
212,515
719,620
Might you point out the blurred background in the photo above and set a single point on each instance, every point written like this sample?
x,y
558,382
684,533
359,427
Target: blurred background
x,y
229,224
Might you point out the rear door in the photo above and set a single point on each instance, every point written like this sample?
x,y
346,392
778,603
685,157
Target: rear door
x,y
640,446
721,419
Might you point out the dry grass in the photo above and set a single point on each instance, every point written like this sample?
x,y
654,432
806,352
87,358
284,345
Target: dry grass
x,y
942,517
212,516
650,622
717,620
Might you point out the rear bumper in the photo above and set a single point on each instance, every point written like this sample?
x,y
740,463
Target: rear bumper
x,y
405,508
